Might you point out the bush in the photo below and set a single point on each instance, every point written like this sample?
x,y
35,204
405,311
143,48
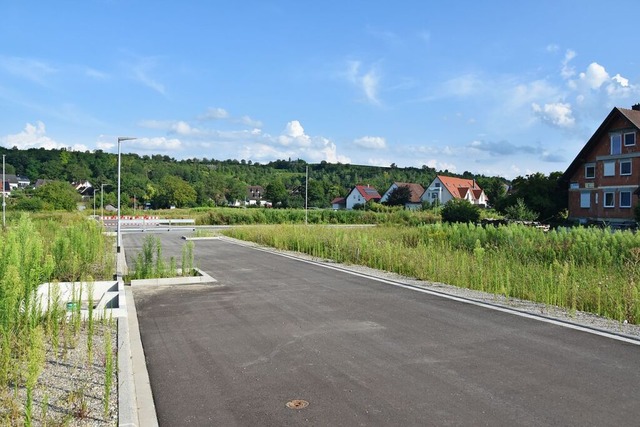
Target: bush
x,y
460,210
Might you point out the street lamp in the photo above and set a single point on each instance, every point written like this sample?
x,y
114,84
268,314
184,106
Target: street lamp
x,y
102,201
118,234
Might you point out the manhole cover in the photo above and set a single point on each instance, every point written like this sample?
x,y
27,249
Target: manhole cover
x,y
297,404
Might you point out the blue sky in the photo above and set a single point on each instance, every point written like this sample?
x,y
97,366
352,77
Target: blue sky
x,y
493,87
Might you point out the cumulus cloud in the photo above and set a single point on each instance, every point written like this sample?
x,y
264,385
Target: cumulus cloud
x,y
156,144
368,82
35,136
371,142
557,114
293,142
595,76
294,135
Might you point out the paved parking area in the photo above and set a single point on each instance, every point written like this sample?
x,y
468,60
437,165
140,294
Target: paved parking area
x,y
361,352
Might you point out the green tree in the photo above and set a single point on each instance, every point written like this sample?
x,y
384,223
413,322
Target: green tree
x,y
520,212
460,210
174,191
277,193
542,194
58,195
399,196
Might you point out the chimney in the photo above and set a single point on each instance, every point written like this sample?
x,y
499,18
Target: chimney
x,y
636,107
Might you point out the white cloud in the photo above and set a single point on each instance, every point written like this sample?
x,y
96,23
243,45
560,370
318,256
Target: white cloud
x,y
214,114
593,78
620,80
438,165
293,143
248,121
294,135
371,142
568,71
558,114
553,47
142,70
368,82
465,85
155,144
30,69
34,136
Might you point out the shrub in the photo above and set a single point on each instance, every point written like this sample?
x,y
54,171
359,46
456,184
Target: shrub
x,y
460,210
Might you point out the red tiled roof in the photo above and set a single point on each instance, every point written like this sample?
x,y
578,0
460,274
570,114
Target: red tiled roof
x,y
458,187
416,190
368,192
338,200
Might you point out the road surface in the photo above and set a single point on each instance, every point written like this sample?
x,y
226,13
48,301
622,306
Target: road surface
x,y
274,330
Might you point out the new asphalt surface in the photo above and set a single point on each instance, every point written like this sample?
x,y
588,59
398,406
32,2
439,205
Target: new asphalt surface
x,y
275,330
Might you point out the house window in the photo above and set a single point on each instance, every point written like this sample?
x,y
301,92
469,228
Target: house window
x,y
629,139
616,144
585,199
609,168
609,199
574,185
625,199
590,171
625,167
437,185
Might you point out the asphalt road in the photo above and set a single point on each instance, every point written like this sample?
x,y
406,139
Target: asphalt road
x,y
362,352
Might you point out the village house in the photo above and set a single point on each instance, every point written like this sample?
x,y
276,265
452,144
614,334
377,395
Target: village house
x,y
603,179
359,195
255,195
415,194
445,188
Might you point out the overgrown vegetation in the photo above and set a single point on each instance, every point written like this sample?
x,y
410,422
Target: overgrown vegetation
x,y
34,253
590,270
150,264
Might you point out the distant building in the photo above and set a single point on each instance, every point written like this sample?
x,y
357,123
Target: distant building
x,y
255,195
445,188
360,195
415,190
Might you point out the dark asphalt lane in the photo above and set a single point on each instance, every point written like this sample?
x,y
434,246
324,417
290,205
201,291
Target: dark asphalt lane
x,y
362,352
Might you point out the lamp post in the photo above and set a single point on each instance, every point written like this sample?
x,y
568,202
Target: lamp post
x,y
118,231
102,201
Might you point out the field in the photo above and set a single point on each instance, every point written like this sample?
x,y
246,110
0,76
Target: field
x,y
62,247
592,270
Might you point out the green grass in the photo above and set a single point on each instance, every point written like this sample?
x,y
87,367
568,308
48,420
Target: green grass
x,y
590,270
47,249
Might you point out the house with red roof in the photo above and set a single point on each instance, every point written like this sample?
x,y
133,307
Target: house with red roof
x,y
603,179
445,188
359,195
415,191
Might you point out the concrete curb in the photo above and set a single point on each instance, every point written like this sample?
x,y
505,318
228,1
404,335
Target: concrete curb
x,y
186,280
135,399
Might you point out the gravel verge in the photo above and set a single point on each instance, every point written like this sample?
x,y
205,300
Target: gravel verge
x,y
70,389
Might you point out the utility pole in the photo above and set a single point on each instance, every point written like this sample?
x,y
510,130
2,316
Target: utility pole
x,y
4,196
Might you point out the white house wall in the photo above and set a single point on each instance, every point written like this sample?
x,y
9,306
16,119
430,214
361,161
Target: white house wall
x,y
355,198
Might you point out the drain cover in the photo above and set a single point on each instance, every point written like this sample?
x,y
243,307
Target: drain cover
x,y
297,404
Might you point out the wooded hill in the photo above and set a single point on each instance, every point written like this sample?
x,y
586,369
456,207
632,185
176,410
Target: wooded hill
x,y
163,180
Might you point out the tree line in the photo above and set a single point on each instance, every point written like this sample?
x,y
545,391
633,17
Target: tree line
x,y
163,181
